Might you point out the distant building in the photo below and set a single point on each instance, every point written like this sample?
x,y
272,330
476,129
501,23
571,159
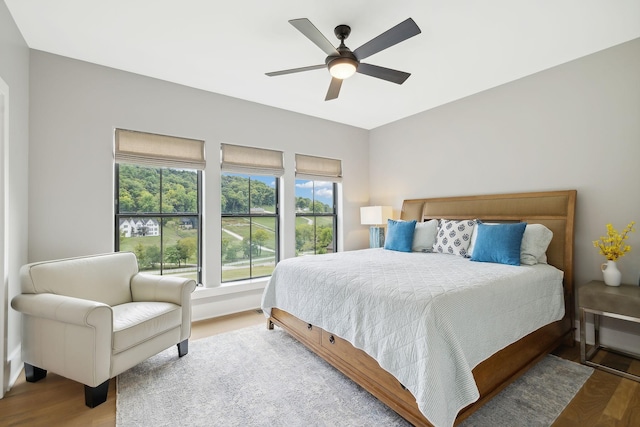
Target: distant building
x,y
187,223
135,227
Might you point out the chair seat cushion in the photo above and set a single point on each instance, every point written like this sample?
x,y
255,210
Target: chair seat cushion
x,y
135,322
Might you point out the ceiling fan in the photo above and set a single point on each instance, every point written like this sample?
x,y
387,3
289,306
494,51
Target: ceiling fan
x,y
343,63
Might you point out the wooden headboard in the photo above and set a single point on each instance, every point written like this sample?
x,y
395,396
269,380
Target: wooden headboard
x,y
554,209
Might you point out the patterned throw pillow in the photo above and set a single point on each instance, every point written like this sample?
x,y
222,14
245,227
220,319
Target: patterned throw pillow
x,y
454,237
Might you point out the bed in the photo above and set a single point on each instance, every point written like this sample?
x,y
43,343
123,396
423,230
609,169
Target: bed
x,y
417,346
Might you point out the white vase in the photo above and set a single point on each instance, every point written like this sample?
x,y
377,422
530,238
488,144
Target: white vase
x,y
611,273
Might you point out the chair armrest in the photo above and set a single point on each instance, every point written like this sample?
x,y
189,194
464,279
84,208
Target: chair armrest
x,y
64,309
66,335
152,287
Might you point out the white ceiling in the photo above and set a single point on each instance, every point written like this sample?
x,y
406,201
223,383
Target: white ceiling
x,y
226,47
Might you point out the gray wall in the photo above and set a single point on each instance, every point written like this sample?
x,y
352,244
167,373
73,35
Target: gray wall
x,y
75,107
574,126
14,71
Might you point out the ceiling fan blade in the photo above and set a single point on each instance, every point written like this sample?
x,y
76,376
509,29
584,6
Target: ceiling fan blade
x,y
387,74
312,33
334,89
296,70
404,30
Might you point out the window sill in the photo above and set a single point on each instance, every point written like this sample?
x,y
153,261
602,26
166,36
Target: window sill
x,y
230,288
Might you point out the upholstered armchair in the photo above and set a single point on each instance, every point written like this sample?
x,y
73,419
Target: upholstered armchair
x,y
90,318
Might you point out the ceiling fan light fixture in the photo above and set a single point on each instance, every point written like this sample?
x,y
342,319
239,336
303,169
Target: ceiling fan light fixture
x,y
343,68
342,63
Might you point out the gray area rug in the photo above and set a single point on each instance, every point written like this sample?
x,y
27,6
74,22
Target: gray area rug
x,y
535,399
256,377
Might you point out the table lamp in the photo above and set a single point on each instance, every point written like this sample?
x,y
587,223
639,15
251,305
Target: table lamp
x,y
376,217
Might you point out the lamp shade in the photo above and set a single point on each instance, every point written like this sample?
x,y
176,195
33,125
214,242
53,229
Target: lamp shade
x,y
375,215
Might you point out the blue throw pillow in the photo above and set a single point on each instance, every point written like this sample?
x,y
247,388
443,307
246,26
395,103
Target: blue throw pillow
x,y
498,243
399,235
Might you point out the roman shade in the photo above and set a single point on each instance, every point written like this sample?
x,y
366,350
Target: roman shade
x,y
318,168
252,161
150,149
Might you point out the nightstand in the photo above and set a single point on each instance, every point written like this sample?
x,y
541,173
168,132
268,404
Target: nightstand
x,y
619,302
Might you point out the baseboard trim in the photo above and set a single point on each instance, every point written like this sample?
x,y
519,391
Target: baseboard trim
x,y
13,368
614,333
222,305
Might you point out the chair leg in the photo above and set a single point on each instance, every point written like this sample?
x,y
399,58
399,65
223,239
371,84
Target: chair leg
x,y
183,348
33,373
94,396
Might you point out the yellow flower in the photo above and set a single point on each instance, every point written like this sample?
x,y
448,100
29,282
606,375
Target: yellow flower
x,y
612,245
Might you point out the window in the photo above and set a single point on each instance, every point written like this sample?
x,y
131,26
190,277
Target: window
x,y
158,202
316,206
249,226
249,211
315,217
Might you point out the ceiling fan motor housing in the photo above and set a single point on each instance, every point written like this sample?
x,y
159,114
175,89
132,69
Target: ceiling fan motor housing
x,y
346,56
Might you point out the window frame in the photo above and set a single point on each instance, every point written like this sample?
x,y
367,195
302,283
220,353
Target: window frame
x,y
160,215
251,215
334,214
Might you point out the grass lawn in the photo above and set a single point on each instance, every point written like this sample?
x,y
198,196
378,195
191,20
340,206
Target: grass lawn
x,y
243,273
241,227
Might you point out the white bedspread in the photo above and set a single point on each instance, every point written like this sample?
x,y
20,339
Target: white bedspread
x,y
428,319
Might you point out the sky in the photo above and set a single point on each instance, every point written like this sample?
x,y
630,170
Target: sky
x,y
323,191
304,188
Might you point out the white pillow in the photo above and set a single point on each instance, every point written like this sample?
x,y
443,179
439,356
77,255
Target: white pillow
x,y
535,241
424,236
533,249
454,237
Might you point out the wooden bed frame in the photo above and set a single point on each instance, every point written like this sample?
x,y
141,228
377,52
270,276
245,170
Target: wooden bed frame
x,y
554,209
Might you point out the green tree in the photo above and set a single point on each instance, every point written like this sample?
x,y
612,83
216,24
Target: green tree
x,y
172,255
247,247
175,199
304,235
141,255
147,202
302,203
236,202
180,189
319,207
153,255
126,201
186,248
324,237
168,207
231,253
260,237
223,203
238,193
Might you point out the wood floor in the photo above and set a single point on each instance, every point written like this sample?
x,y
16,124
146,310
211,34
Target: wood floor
x,y
604,400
